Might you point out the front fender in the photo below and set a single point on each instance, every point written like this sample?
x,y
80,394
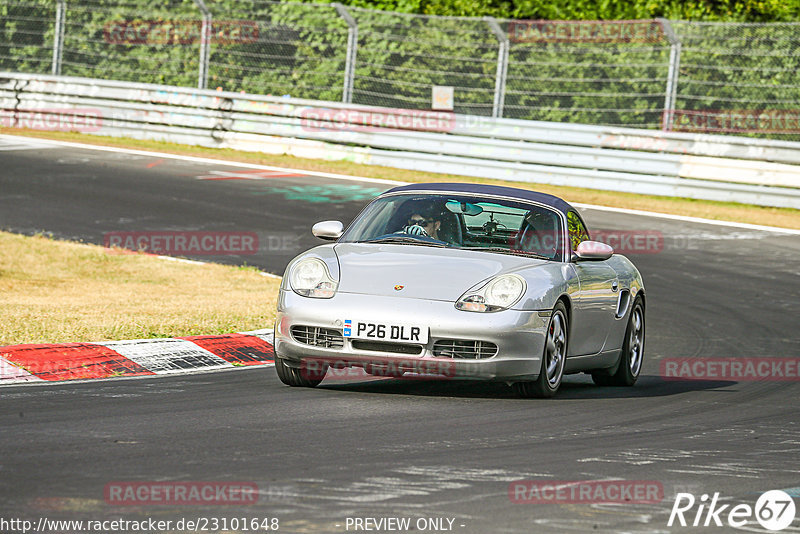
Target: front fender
x,y
546,284
627,273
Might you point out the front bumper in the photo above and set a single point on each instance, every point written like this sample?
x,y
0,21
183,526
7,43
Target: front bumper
x,y
519,335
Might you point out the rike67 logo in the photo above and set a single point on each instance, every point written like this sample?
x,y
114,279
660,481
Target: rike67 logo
x,y
774,510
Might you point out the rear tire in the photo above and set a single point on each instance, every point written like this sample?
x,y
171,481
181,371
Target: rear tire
x,y
305,376
553,358
630,364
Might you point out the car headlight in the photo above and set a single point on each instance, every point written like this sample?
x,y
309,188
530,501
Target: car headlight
x,y
310,278
499,294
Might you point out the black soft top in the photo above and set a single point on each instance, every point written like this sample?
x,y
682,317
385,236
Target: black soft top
x,y
482,189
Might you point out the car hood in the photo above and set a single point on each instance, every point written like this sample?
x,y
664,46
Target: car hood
x,y
423,272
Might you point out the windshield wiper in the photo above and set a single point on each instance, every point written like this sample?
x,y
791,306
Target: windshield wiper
x,y
508,251
405,240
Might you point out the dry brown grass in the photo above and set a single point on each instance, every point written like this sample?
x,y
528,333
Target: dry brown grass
x,y
727,211
57,291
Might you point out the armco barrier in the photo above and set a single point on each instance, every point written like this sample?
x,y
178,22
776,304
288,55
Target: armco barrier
x,y
714,167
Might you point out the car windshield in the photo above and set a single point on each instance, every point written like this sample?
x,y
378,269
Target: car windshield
x,y
460,221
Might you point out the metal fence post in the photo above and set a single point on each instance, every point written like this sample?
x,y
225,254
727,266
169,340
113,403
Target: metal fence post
x,y
205,45
672,74
352,48
58,37
502,68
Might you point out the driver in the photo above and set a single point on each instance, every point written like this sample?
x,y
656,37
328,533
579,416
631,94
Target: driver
x,y
424,223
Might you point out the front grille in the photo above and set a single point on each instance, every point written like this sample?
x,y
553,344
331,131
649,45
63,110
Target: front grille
x,y
327,338
464,348
379,346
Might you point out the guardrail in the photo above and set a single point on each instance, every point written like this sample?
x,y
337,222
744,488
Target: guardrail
x,y
701,166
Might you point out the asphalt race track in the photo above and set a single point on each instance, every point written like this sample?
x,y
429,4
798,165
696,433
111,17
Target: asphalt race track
x,y
399,448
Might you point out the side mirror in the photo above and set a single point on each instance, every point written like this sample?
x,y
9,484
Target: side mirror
x,y
328,230
592,250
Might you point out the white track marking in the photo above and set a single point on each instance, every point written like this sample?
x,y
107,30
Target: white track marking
x,y
211,161
183,260
163,356
21,143
684,218
11,374
265,334
250,175
396,183
198,262
196,371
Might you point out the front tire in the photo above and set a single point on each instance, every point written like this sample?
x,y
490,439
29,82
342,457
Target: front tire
x,y
553,358
306,376
632,356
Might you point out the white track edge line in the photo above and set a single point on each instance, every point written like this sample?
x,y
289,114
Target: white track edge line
x,y
213,161
686,218
196,371
199,262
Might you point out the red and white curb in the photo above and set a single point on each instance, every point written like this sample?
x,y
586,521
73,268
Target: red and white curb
x,y
55,362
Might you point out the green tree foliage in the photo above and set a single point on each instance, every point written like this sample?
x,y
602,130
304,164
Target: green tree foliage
x,y
400,57
298,50
708,10
128,41
25,45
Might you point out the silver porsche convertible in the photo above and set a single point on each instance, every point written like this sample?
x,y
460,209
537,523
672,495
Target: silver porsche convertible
x,y
462,281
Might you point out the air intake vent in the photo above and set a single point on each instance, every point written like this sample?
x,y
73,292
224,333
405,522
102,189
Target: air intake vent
x,y
622,303
378,346
327,338
464,348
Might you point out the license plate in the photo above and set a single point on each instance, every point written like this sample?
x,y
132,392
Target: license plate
x,y
398,333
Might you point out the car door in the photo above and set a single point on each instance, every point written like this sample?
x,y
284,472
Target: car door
x,y
596,302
